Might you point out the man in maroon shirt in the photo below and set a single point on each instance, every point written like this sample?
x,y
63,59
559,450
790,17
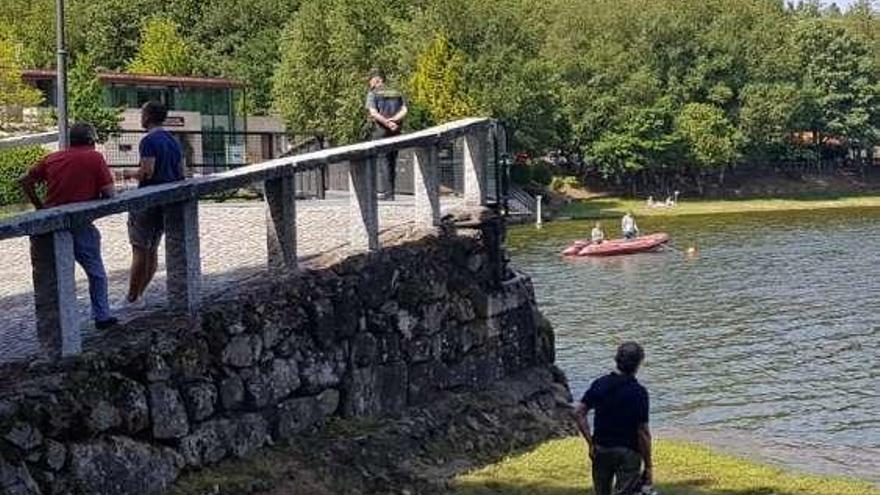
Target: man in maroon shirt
x,y
73,175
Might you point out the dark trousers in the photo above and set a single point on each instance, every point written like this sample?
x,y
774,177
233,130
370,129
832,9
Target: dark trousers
x,y
619,467
387,176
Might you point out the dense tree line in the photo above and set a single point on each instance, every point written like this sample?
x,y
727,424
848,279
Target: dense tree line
x,y
643,92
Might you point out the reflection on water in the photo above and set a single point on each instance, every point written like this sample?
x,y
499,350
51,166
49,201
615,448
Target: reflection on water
x,y
771,333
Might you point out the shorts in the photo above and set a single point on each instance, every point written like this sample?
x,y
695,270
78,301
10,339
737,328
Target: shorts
x,y
145,228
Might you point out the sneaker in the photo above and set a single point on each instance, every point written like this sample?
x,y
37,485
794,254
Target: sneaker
x,y
126,305
105,324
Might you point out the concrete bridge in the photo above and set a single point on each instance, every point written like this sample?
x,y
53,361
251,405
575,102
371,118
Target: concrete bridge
x,y
58,322
435,325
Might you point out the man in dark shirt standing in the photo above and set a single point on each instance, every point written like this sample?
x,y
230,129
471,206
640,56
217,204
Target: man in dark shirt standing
x,y
621,440
387,109
77,174
161,161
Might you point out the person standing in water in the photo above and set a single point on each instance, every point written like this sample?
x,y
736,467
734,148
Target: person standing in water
x,y
628,226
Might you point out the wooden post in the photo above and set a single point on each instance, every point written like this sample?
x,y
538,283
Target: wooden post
x,y
426,180
182,255
55,293
364,209
475,168
281,223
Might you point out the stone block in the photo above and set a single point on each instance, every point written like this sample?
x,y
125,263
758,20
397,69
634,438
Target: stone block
x,y
55,293
377,391
242,351
256,388
364,349
328,402
364,208
16,479
208,443
168,412
249,433
426,182
200,400
425,380
102,417
231,392
319,370
420,350
283,378
388,348
281,223
122,466
55,456
182,255
295,416
24,436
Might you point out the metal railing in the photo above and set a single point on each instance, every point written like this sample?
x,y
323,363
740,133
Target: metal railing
x,y
52,244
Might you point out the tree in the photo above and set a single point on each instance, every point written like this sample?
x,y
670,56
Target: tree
x,y
327,51
162,51
87,98
839,75
712,140
14,92
437,84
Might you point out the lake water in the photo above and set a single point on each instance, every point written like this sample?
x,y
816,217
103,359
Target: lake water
x,y
767,344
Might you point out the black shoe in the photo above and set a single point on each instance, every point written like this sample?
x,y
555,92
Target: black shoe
x,y
105,324
386,196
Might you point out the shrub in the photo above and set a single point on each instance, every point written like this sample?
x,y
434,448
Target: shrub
x,y
558,183
541,173
13,164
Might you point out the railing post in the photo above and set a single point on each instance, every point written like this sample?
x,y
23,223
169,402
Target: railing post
x,y
426,179
364,208
475,168
182,256
281,223
55,293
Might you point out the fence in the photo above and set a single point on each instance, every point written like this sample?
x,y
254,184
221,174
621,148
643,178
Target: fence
x,y
51,242
204,153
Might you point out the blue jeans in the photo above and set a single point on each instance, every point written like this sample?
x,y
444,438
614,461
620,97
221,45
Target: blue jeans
x,y
87,252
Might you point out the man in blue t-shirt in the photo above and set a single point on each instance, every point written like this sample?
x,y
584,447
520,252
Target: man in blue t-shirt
x,y
621,440
161,161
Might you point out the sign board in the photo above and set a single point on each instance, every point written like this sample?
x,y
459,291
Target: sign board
x,y
175,121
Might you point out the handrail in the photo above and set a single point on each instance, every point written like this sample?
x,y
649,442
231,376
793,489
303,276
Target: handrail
x,y
72,215
29,140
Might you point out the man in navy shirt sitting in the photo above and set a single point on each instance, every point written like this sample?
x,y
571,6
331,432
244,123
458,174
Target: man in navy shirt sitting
x,y
161,162
621,440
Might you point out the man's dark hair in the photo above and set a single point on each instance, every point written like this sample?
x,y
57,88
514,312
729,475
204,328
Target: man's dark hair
x,y
629,356
155,111
82,134
376,72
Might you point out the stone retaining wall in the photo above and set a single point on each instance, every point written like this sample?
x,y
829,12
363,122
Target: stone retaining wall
x,y
368,337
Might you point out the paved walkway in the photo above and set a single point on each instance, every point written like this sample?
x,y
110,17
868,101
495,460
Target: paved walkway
x,y
233,243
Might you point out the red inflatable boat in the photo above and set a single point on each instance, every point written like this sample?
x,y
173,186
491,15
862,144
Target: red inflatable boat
x,y
617,246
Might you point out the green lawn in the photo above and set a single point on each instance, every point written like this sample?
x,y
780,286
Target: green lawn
x,y
611,207
560,468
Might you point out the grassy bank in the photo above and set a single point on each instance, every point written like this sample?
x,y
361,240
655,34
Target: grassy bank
x,y
610,207
560,468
